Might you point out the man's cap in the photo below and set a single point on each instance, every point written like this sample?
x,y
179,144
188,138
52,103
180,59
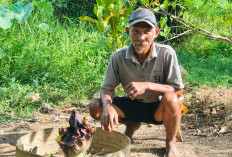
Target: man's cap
x,y
142,15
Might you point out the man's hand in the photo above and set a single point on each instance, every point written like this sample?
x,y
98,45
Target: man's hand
x,y
136,88
109,115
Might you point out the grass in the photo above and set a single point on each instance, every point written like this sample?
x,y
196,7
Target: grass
x,y
57,64
207,61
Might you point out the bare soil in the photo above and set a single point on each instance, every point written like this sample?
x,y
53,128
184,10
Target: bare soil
x,y
207,113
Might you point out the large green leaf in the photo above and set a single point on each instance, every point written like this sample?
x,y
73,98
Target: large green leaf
x,y
166,31
163,21
187,3
45,8
165,4
22,11
98,11
2,53
6,17
87,18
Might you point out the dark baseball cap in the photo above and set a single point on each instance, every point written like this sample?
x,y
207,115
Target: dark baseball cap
x,y
142,15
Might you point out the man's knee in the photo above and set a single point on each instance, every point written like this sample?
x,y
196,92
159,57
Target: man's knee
x,y
171,102
95,109
171,97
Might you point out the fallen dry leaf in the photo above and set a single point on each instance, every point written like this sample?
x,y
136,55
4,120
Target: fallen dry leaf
x,y
191,126
69,110
214,111
206,112
224,129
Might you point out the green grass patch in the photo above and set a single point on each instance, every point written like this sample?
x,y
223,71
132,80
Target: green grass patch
x,y
57,64
207,61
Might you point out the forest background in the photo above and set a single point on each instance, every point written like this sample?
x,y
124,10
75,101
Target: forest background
x,y
60,49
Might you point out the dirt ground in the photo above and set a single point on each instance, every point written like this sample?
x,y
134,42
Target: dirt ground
x,y
200,127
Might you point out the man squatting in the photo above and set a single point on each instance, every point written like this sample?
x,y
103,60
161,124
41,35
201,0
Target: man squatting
x,y
150,76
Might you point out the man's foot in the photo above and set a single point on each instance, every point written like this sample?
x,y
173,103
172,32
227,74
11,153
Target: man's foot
x,y
172,150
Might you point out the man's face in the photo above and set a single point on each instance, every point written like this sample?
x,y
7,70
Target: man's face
x,y
142,36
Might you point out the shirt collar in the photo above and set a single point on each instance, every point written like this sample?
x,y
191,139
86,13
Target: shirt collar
x,y
130,53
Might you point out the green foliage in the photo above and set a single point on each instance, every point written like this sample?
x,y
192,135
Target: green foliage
x,y
112,20
2,53
207,61
60,3
45,8
211,72
204,47
215,16
22,11
6,17
58,65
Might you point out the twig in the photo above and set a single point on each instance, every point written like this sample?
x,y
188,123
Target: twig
x,y
215,105
172,27
179,35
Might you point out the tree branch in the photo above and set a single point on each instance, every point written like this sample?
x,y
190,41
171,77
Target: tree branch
x,y
173,27
199,30
179,35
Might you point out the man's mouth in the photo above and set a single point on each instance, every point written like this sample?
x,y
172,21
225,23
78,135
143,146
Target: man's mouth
x,y
138,43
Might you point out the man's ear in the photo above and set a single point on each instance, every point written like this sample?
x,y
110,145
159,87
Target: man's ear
x,y
156,32
127,31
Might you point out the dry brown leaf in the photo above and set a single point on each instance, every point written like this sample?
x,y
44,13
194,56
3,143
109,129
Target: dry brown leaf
x,y
214,111
67,110
191,126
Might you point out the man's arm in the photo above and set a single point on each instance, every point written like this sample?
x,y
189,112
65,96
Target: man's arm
x,y
109,114
140,87
163,88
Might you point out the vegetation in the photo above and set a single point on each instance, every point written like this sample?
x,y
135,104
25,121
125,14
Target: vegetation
x,y
49,55
207,61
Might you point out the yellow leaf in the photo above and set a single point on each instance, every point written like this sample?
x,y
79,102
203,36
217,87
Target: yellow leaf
x,y
121,11
108,18
84,119
46,119
59,138
184,109
87,18
155,3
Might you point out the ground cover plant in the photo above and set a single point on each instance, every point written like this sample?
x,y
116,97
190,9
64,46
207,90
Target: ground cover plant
x,y
51,59
207,61
49,55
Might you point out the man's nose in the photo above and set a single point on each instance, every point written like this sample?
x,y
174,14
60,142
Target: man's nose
x,y
141,36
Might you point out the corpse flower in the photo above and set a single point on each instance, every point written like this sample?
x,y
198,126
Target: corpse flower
x,y
76,139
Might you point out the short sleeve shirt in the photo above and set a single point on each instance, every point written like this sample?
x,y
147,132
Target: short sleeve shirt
x,y
161,66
